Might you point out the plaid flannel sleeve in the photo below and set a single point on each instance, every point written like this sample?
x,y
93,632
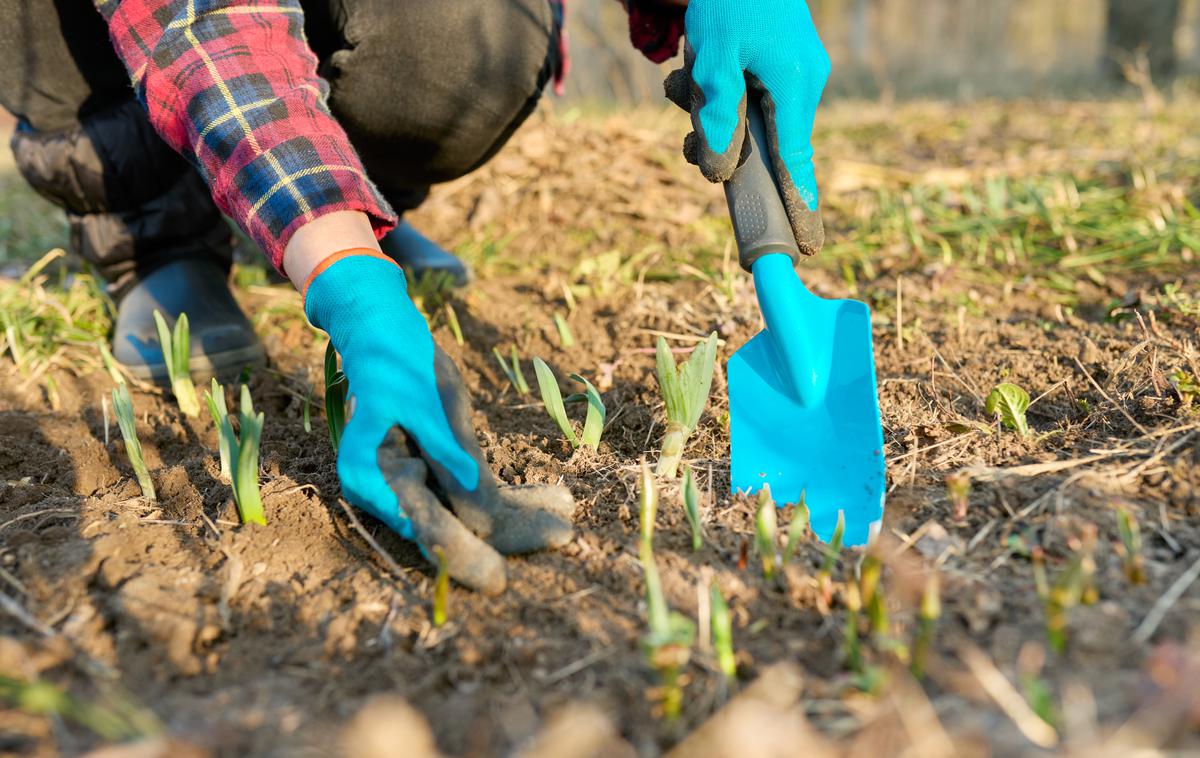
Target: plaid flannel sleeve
x,y
232,85
655,29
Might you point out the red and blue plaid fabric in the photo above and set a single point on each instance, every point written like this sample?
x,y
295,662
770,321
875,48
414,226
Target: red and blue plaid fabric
x,y
232,85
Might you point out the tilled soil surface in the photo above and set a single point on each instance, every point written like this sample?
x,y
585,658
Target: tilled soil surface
x,y
272,640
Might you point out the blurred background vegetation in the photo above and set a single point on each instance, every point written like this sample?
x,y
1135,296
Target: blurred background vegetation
x,y
960,49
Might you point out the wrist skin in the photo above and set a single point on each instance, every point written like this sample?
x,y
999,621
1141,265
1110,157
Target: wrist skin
x,y
321,238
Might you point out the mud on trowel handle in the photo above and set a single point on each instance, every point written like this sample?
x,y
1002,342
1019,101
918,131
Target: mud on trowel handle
x,y
767,249
760,221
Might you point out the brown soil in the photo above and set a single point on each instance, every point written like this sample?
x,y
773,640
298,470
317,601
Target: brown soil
x,y
267,641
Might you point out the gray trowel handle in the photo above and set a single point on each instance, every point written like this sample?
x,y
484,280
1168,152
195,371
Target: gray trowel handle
x,y
760,221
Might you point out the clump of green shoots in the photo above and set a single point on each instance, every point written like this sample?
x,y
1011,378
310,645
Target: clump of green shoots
x,y
1009,402
832,551
336,388
243,454
441,588
123,405
1075,586
215,398
1130,547
593,425
685,392
722,634
176,350
873,598
796,530
927,618
766,531
958,487
691,506
668,644
512,370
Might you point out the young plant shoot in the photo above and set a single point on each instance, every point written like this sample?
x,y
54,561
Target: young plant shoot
x,y
796,530
1009,402
176,350
647,506
722,634
691,506
243,454
593,425
766,530
1130,547
668,644
215,398
927,617
685,391
123,405
441,588
516,377
336,388
832,551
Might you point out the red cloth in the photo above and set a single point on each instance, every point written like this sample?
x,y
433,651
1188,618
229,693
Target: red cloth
x,y
655,29
233,86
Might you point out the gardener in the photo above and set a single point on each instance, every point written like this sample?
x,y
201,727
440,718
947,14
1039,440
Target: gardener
x,y
281,110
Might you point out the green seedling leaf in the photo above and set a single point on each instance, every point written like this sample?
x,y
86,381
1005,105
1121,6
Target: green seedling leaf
x,y
553,401
766,528
245,476
685,390
722,633
441,588
215,399
452,322
123,405
927,618
691,506
176,350
796,530
832,551
1131,546
1009,402
958,489
593,425
565,338
852,647
519,375
336,389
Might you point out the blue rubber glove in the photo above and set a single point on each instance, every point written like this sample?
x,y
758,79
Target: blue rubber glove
x,y
773,46
388,357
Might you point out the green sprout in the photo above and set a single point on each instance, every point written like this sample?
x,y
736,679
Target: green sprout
x,y
691,506
336,389
176,350
927,618
766,528
668,644
243,454
123,405
832,551
593,425
1009,402
722,634
516,377
115,718
441,588
565,338
958,488
1074,586
853,646
452,322
215,398
685,391
1130,548
873,599
796,530
647,506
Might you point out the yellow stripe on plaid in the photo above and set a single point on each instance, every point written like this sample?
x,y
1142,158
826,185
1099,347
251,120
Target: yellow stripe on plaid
x,y
247,131
233,11
286,181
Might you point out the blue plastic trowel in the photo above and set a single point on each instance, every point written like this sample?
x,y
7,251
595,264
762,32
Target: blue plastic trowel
x,y
803,405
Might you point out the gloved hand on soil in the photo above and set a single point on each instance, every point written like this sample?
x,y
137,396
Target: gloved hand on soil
x,y
770,45
409,450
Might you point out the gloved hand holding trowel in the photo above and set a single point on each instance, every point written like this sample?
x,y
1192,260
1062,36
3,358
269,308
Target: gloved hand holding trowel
x,y
420,97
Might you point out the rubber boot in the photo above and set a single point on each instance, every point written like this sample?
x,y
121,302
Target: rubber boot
x,y
422,256
222,339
